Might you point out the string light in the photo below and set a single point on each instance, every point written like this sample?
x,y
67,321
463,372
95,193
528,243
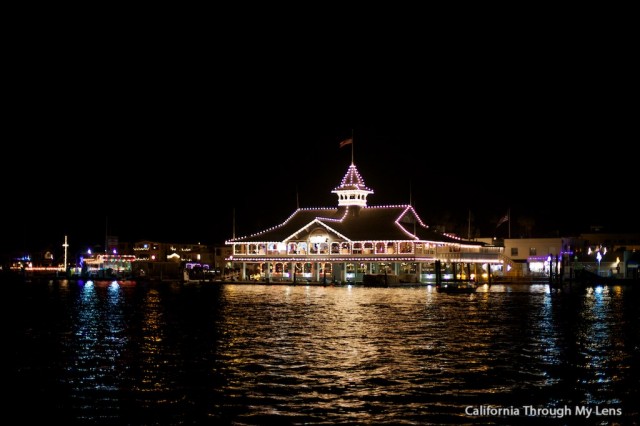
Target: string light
x,y
318,247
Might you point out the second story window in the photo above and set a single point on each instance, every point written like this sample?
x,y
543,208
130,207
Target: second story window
x,y
405,247
368,248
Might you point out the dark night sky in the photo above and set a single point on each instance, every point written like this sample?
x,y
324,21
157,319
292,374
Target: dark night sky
x,y
166,157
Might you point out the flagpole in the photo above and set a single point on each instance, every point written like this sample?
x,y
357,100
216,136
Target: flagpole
x,y
352,143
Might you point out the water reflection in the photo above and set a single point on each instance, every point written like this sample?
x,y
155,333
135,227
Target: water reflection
x,y
131,353
600,348
155,360
595,361
94,372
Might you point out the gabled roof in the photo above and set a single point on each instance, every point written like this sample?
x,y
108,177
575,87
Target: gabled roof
x,y
399,222
353,220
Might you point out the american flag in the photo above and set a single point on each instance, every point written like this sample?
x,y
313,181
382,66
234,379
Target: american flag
x,y
346,142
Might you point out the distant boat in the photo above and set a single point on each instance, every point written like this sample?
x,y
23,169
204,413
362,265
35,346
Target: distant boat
x,y
456,287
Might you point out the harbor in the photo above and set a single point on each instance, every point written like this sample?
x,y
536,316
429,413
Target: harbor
x,y
231,353
351,313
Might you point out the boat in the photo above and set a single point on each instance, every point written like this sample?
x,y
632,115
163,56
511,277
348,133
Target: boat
x,y
456,287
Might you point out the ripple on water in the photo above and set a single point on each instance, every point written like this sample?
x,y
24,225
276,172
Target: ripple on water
x,y
244,354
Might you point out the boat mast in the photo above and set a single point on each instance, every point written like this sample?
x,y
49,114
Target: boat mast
x,y
65,245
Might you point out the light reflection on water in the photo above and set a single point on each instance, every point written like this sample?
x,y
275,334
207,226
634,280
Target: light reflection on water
x,y
242,354
94,351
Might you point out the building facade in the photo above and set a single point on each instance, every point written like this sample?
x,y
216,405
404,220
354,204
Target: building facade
x,y
153,258
352,240
535,257
604,254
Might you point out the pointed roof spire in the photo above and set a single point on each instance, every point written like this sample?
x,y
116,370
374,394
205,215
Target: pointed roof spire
x,y
352,191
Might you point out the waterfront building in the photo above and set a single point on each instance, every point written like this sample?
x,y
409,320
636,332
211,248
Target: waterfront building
x,y
604,254
536,257
609,254
352,240
154,258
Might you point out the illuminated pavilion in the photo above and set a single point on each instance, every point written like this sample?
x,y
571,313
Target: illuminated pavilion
x,y
353,240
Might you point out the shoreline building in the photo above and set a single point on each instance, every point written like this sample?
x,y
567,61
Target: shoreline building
x,y
349,242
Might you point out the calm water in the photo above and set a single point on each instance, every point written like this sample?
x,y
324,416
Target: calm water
x,y
127,353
